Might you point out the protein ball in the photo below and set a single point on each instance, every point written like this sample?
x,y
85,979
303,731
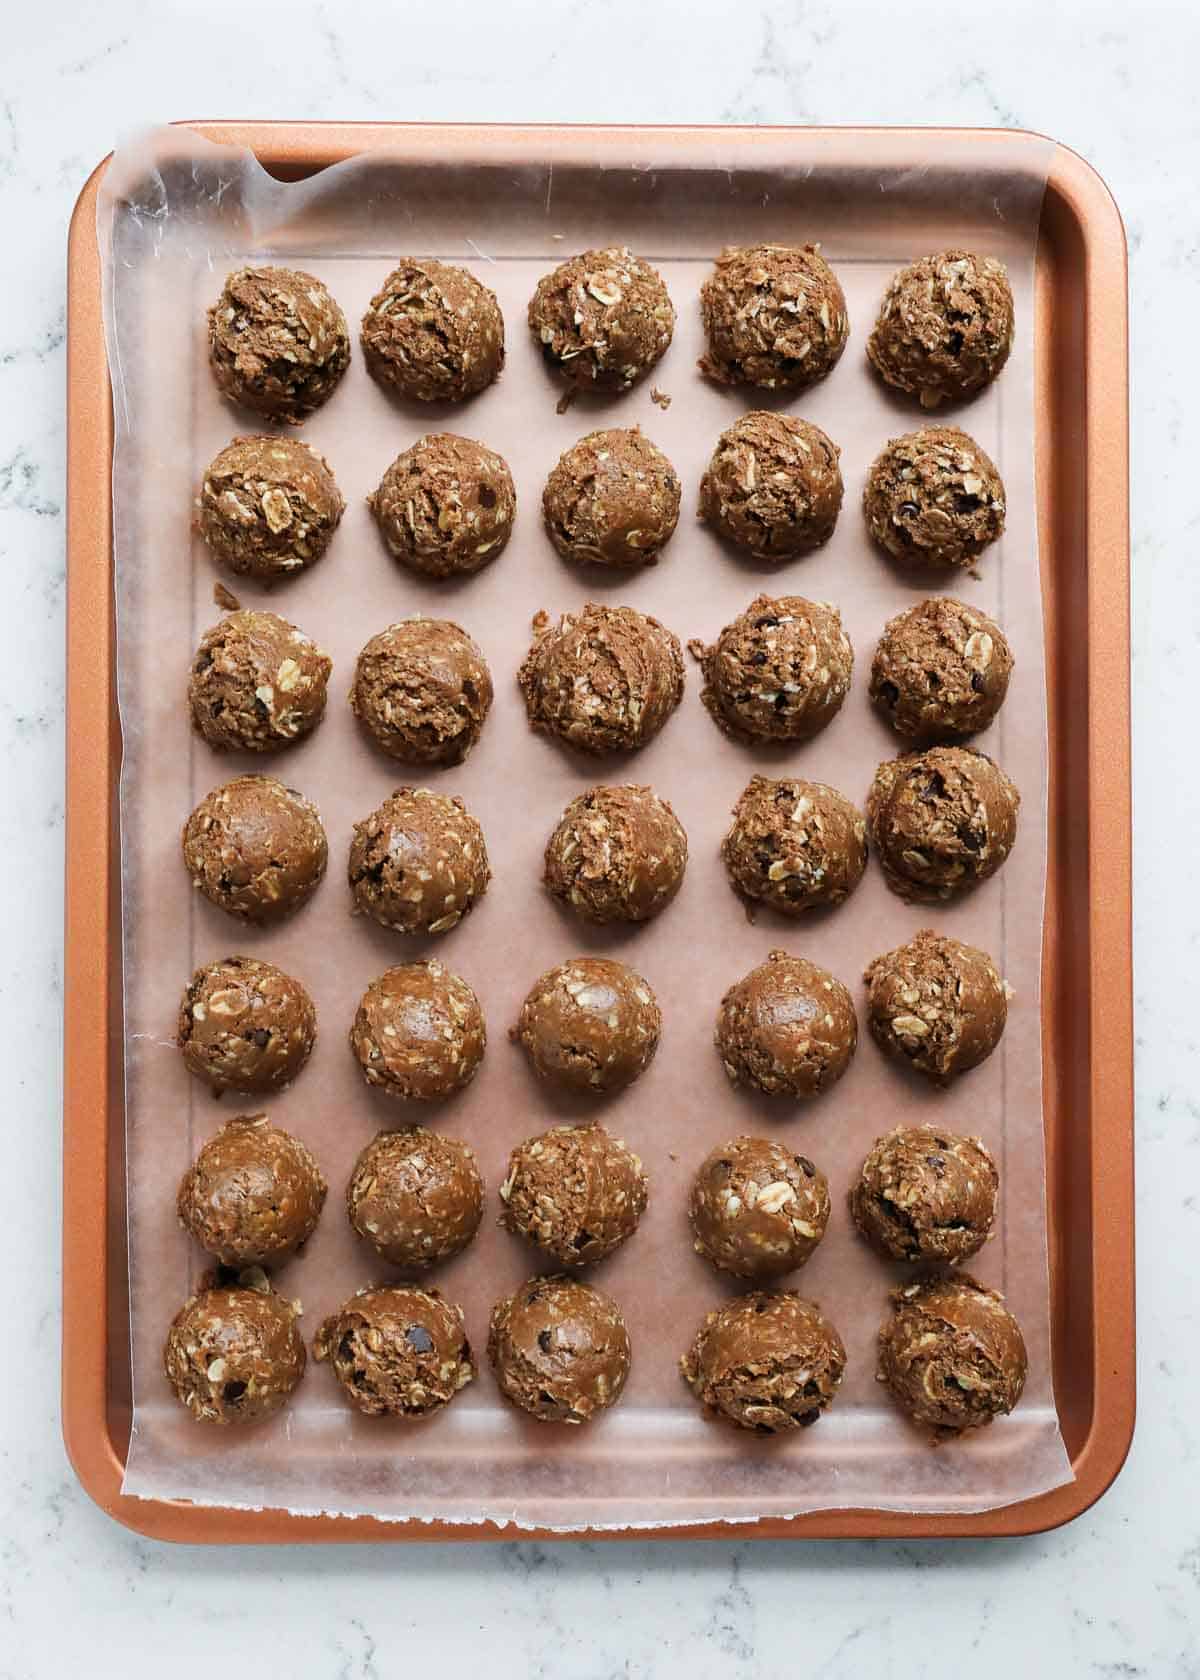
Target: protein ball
x,y
951,1354
234,1355
419,863
559,1349
945,327
255,848
257,683
617,855
771,1362
779,671
936,1004
445,507
602,680
758,1210
574,1191
268,507
423,690
433,332
773,486
933,498
941,671
794,845
397,1352
245,1025
590,1025
925,1194
775,316
277,342
419,1033
612,500
941,821
788,1028
603,319
416,1197
253,1194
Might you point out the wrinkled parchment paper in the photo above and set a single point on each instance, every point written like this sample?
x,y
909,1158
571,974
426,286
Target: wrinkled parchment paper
x,y
177,213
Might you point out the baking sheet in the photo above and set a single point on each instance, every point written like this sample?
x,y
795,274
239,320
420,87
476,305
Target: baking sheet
x,y
175,214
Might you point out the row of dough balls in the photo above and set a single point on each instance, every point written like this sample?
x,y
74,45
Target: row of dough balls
x,y
591,1025
941,822
254,1194
268,507
603,680
775,317
951,1353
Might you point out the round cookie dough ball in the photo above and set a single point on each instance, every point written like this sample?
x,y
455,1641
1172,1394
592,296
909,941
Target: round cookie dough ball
x,y
255,848
419,863
423,689
925,1194
773,486
945,327
775,316
612,500
603,319
445,507
559,1349
941,821
769,1361
253,1194
278,342
779,671
416,1197
245,1025
788,1028
937,1004
940,671
257,683
590,1024
575,1191
602,680
951,1354
433,332
234,1355
419,1033
794,845
933,498
757,1209
268,507
617,855
397,1352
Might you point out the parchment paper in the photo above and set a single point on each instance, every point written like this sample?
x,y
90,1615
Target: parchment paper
x,y
175,215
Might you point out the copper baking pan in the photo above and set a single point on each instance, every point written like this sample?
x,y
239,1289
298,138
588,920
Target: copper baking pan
x,y
1082,483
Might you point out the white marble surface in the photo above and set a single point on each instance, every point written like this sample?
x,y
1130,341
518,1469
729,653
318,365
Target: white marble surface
x,y
1115,1594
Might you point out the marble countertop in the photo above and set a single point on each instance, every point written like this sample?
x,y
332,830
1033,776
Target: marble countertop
x,y
1115,1594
